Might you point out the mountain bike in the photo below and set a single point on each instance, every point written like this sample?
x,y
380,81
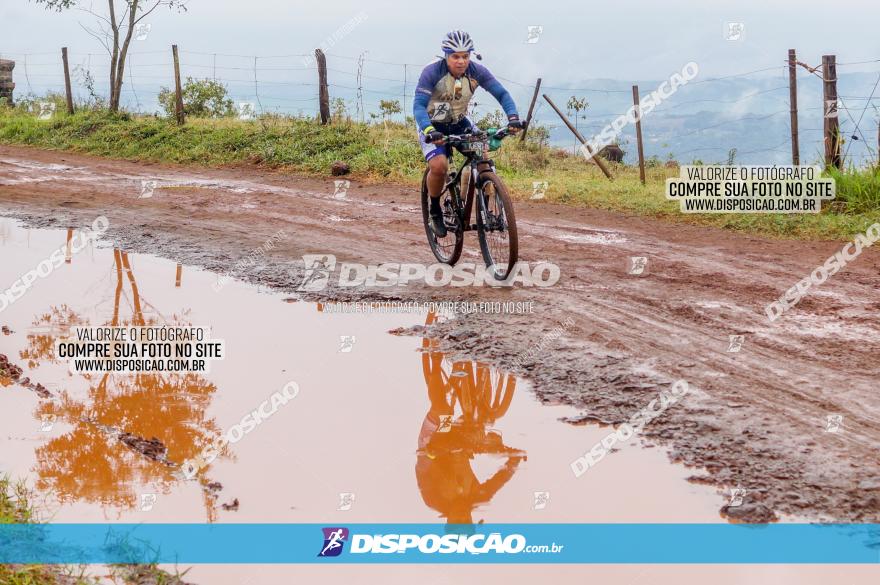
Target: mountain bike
x,y
495,219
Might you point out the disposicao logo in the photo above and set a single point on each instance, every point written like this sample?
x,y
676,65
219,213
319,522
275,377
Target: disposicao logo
x,y
334,541
414,544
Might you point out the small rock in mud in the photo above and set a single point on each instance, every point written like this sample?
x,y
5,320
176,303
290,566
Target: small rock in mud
x,y
582,419
6,330
339,168
231,507
749,513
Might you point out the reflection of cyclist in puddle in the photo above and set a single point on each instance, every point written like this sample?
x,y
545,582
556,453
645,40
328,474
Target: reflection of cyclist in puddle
x,y
448,443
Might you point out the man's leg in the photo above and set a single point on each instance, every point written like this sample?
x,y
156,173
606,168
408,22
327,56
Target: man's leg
x,y
438,165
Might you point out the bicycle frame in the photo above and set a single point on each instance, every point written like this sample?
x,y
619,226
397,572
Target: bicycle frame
x,y
478,166
495,220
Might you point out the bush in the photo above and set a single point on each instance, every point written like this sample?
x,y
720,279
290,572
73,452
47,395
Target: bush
x,y
202,98
496,119
538,134
858,189
33,104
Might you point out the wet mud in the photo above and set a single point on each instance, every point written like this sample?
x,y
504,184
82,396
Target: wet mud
x,y
756,419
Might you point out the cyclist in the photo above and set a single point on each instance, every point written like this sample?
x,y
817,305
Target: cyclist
x,y
441,99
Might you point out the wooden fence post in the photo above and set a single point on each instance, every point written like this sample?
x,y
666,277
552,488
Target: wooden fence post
x,y
67,90
832,122
323,92
638,112
178,90
594,156
792,98
531,109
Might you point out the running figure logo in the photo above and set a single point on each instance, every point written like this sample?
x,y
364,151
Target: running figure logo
x,y
441,112
317,271
636,265
334,540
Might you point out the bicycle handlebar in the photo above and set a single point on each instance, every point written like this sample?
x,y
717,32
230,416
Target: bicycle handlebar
x,y
500,134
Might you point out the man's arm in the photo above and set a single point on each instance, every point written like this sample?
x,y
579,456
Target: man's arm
x,y
425,87
488,82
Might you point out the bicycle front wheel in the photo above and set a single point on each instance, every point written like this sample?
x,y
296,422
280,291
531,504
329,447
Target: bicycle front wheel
x,y
496,224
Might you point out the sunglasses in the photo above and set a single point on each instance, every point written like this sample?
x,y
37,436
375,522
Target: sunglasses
x,y
457,89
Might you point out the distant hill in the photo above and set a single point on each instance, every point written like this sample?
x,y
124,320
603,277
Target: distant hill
x,y
705,119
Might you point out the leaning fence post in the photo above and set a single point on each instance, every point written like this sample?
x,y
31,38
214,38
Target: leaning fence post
x,y
531,109
593,155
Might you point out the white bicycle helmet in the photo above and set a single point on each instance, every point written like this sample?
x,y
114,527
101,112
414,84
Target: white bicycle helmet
x,y
457,41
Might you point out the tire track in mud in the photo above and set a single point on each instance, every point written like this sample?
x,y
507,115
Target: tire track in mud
x,y
755,418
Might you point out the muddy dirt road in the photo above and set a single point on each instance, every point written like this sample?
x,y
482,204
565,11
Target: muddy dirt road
x,y
756,418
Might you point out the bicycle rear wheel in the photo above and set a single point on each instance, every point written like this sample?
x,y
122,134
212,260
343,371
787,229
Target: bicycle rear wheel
x,y
496,224
446,250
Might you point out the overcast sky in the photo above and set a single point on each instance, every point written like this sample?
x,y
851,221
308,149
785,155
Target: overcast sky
x,y
618,40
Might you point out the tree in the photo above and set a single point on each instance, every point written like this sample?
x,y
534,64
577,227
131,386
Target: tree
x,y
576,104
115,30
340,111
388,108
202,98
731,157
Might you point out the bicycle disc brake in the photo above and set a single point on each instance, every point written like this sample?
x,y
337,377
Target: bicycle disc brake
x,y
492,222
450,217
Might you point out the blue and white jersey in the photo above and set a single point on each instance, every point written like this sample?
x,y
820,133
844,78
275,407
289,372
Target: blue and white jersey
x,y
441,99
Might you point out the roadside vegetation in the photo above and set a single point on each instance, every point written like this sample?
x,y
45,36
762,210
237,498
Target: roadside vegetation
x,y
383,150
16,508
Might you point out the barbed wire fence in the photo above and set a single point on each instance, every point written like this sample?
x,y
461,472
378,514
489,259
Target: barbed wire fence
x,y
680,128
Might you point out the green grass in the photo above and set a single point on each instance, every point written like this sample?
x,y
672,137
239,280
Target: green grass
x,y
16,508
389,153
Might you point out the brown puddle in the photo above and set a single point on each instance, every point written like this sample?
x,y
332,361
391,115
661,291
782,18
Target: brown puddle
x,y
383,429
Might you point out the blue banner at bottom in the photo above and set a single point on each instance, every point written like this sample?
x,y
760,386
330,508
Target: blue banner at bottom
x,y
440,543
